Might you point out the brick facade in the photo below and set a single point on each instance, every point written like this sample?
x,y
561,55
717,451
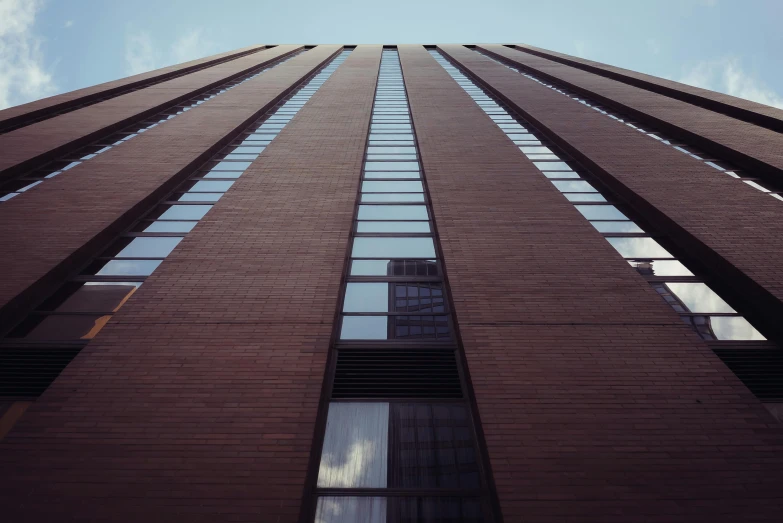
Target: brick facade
x,y
705,211
730,105
91,203
34,144
750,146
596,402
220,387
68,101
199,400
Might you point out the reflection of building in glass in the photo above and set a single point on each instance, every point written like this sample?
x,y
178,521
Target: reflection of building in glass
x,y
424,301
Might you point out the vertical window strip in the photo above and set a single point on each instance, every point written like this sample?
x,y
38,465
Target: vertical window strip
x,y
698,305
24,183
80,308
717,164
398,425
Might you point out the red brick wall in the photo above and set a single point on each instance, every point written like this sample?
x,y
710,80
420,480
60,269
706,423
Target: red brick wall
x,y
597,403
742,141
45,106
29,146
706,212
55,227
198,401
726,104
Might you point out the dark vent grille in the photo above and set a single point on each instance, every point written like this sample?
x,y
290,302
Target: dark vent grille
x,y
396,373
29,371
761,370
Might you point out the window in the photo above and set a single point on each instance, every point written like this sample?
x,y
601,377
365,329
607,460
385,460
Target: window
x,y
699,306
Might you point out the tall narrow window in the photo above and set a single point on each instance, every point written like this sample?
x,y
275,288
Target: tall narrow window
x,y
399,443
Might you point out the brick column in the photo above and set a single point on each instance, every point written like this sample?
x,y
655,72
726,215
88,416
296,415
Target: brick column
x,y
597,403
51,231
41,142
747,110
733,229
47,107
750,146
198,401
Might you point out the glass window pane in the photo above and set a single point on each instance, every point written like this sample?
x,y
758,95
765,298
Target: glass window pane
x,y
67,327
562,174
639,248
211,186
392,247
185,212
600,212
355,446
392,197
392,187
616,227
347,509
660,268
391,166
552,166
170,227
370,267
393,227
393,212
431,446
535,150
391,150
697,297
387,174
129,268
222,174
440,509
149,248
376,157
734,328
577,186
582,197
364,328
366,297
231,166
391,136
200,197
91,297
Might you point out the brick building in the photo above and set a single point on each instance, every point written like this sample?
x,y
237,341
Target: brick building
x,y
391,284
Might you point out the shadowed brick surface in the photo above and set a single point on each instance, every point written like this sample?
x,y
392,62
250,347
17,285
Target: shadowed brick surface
x,y
751,111
597,403
71,216
746,139
50,138
737,224
198,401
79,96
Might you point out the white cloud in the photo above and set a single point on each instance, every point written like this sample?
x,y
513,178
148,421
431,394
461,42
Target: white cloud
x,y
191,46
654,46
23,76
581,48
68,23
142,54
726,75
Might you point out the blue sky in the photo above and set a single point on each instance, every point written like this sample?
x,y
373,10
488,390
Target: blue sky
x,y
52,46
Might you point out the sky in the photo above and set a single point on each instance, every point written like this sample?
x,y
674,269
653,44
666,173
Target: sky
x,y
53,46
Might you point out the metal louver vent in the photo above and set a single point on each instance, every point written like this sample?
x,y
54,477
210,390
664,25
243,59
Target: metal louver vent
x,y
26,372
396,373
761,370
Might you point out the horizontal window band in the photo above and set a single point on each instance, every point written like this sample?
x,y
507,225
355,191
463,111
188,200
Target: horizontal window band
x,y
395,279
439,314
